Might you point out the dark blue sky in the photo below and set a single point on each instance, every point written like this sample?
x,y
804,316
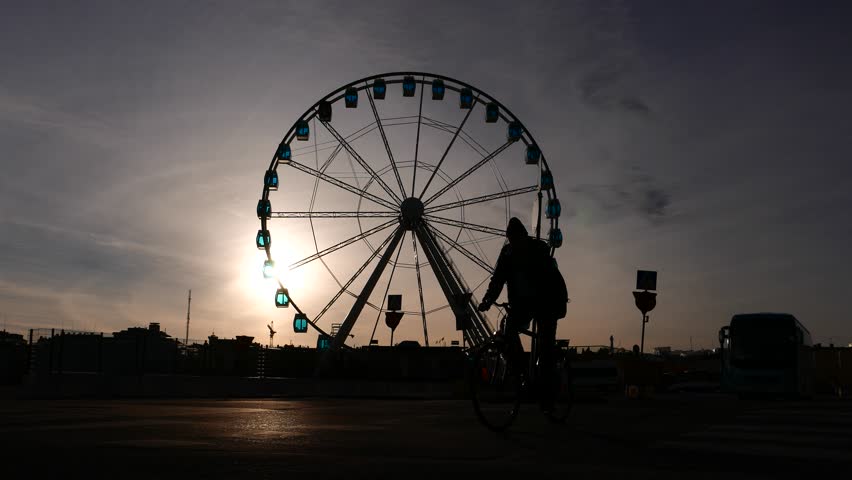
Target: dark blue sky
x,y
706,140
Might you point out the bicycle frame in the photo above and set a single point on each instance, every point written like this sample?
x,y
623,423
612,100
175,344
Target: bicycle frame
x,y
531,372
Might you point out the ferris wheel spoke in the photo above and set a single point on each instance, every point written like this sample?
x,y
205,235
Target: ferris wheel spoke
x,y
470,170
363,131
332,143
467,225
367,290
452,284
350,188
361,161
358,272
420,285
334,153
481,199
387,289
335,214
466,137
477,246
417,141
455,136
438,309
467,253
477,242
345,243
385,141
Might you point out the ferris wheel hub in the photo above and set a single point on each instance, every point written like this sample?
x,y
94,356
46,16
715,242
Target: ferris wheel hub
x,y
411,213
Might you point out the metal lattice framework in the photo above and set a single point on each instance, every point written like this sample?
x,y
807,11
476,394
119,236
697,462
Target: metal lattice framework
x,y
427,192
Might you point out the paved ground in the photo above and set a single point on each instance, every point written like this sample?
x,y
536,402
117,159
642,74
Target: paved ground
x,y
677,436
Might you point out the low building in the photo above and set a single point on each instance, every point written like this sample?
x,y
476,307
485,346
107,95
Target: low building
x,y
237,356
13,358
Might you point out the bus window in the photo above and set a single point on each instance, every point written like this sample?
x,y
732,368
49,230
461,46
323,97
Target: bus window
x,y
762,343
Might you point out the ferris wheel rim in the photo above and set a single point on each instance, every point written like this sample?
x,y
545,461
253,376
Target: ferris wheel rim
x,y
505,114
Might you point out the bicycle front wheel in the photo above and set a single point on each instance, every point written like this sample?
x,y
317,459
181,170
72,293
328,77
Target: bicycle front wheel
x,y
495,386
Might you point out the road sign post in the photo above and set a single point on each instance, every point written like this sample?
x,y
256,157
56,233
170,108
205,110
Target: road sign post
x,y
645,300
392,321
393,316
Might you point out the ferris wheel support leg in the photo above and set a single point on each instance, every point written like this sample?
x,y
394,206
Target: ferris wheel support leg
x,y
358,306
468,318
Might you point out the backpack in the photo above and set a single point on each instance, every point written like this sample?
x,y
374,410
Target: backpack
x,y
552,288
557,291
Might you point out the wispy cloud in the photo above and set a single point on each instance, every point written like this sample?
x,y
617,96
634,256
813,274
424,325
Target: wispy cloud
x,y
23,112
634,193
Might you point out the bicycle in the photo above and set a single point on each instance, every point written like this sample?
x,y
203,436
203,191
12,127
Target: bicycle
x,y
498,385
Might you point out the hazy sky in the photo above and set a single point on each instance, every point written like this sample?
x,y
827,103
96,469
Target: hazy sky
x,y
706,140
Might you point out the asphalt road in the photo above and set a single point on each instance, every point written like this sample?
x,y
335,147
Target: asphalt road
x,y
671,436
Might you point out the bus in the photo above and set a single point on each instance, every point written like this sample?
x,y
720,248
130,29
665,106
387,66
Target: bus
x,y
766,354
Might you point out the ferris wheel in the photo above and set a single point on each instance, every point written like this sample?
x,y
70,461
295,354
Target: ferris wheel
x,y
402,183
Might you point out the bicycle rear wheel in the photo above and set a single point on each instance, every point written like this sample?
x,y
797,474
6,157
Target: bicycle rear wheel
x,y
495,387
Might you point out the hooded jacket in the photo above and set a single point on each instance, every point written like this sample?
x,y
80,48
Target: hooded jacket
x,y
533,281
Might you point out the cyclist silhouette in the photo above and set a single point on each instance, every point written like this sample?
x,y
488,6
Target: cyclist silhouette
x,y
536,290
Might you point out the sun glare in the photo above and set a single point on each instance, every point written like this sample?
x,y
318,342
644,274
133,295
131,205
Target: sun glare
x,y
294,280
253,275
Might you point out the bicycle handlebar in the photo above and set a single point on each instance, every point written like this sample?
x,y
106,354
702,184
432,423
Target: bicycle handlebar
x,y
508,308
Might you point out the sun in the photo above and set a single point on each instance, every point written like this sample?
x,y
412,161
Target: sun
x,y
262,289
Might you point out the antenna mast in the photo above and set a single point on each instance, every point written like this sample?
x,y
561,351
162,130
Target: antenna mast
x,y
188,303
